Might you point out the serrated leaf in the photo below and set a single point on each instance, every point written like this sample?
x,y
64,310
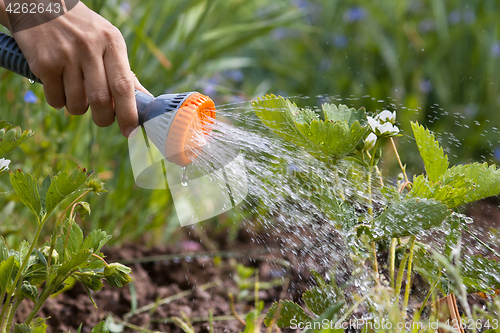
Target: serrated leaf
x,y
96,240
452,194
42,191
11,137
486,180
62,186
320,299
409,217
288,311
75,238
74,261
333,139
435,161
305,116
6,268
26,188
481,274
277,114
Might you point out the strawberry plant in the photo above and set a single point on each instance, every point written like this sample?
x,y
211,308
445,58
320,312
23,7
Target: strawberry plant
x,y
35,273
373,213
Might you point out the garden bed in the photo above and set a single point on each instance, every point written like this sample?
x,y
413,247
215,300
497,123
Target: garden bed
x,y
197,283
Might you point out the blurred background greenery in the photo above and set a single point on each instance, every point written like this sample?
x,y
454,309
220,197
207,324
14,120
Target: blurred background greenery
x,y
435,61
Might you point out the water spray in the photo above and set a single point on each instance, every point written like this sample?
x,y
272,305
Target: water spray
x,y
177,124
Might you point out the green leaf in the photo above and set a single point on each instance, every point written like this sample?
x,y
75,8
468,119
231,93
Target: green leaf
x,y
90,279
75,238
486,180
96,240
43,190
29,291
6,268
100,328
26,188
435,161
278,114
333,139
4,251
288,311
11,137
320,299
62,186
330,315
76,260
409,217
452,193
480,274
333,113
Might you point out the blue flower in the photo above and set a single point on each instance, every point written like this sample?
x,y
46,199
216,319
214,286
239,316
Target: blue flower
x,y
30,97
340,41
497,153
425,86
495,49
355,14
455,17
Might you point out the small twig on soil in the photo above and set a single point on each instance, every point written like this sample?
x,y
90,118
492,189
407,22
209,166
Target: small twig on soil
x,y
233,310
200,319
132,326
222,254
170,299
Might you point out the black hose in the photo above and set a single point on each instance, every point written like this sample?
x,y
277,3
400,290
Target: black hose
x,y
12,58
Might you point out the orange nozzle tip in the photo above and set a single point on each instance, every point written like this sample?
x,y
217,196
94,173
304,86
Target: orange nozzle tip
x,y
190,125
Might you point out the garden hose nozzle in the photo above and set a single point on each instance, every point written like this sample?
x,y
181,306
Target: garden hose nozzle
x,y
177,124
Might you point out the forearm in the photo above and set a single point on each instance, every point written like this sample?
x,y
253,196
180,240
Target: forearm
x,y
4,20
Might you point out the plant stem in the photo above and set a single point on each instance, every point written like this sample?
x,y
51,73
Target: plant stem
x,y
12,312
372,162
427,298
375,262
401,270
399,160
392,261
408,275
20,272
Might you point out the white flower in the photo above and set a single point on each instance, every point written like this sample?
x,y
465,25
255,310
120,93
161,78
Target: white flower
x,y
382,129
4,164
370,141
386,116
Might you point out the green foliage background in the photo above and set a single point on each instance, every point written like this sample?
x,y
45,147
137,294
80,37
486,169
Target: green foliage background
x,y
412,53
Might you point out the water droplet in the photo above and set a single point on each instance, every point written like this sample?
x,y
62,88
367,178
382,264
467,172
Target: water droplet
x,y
184,179
31,81
309,134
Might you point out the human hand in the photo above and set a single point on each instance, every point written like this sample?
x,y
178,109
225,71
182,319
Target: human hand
x,y
82,60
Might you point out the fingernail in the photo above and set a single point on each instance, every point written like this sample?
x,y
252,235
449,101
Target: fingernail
x,y
130,132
